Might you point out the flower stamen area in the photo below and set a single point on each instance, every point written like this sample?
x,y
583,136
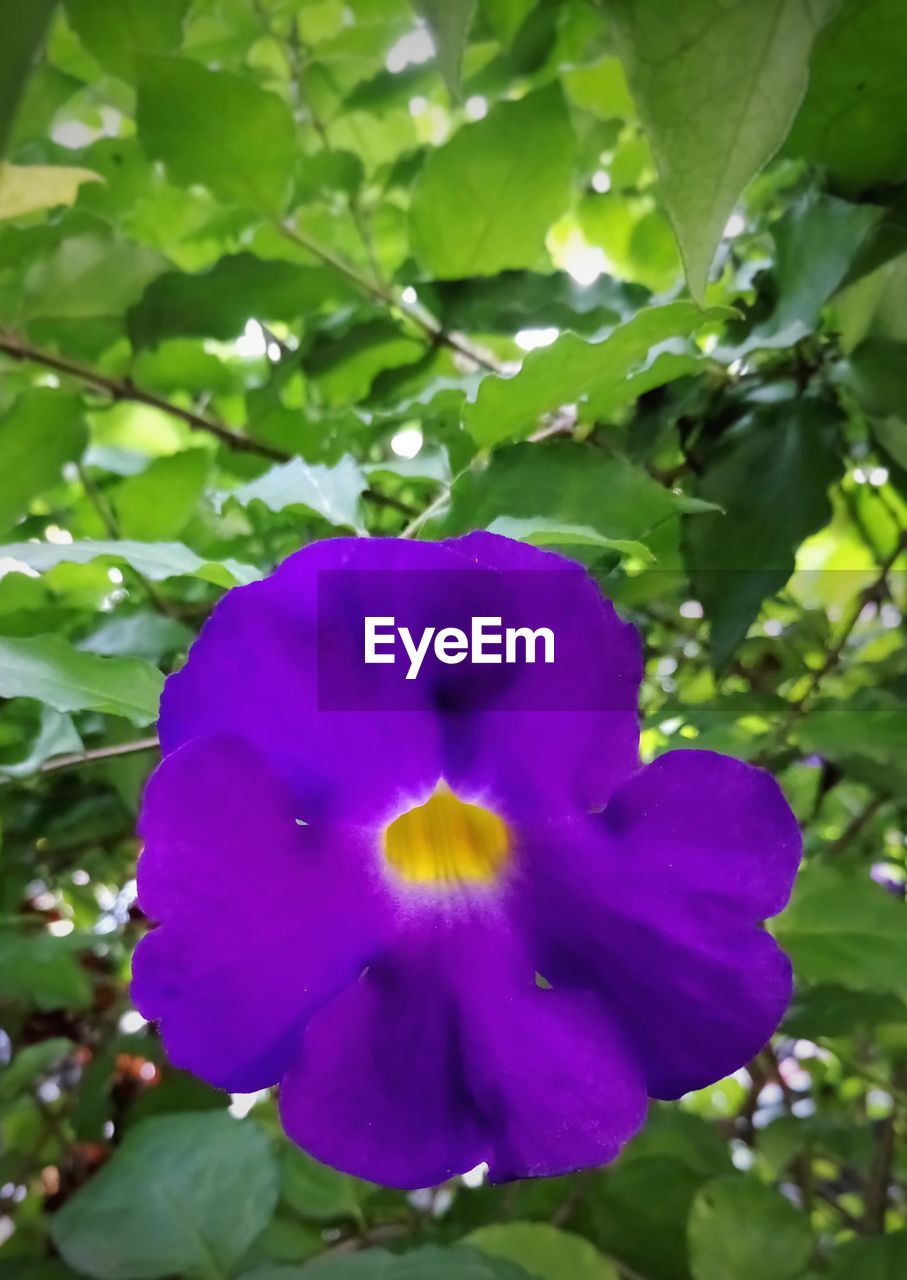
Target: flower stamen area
x,y
447,842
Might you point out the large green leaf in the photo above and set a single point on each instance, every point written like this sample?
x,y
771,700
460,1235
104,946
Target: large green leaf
x,y
330,492
154,560
41,433
845,930
118,34
817,240
23,27
184,1194
316,1191
742,1230
89,277
600,375
853,120
576,485
543,1251
41,968
717,86
781,460
219,302
217,129
50,669
430,1263
485,200
882,1258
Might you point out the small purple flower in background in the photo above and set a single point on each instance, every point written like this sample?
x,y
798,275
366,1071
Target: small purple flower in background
x,y
452,937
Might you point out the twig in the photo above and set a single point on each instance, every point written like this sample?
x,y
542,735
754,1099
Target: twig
x,y
875,1196
98,753
372,289
125,389
855,826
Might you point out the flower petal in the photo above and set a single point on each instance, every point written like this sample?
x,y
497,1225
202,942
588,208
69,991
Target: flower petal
x,y
655,905
263,920
253,674
447,1054
569,757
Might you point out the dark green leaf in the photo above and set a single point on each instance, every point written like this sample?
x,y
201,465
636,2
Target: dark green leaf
x,y
741,1230
781,460
23,27
853,121
183,1194
847,930
218,303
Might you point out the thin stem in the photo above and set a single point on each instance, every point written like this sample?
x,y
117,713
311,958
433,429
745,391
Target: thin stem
x,y
78,758
124,389
372,289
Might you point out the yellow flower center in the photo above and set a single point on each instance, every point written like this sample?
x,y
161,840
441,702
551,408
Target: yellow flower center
x,y
447,842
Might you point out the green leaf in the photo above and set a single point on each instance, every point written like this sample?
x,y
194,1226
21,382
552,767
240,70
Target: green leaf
x,y
87,277
160,501
717,86
219,302
845,930
780,460
639,1212
56,737
41,433
27,188
567,485
32,1062
430,1263
39,968
541,532
853,121
601,375
330,492
449,22
817,239
154,560
50,669
217,129
507,16
485,200
316,1191
184,1194
23,26
742,1230
882,1258
543,1251
119,34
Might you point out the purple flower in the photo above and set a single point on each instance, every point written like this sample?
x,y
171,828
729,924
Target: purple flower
x,y
454,930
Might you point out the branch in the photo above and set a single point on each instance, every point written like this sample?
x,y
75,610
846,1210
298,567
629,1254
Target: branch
x,y
372,289
78,758
125,389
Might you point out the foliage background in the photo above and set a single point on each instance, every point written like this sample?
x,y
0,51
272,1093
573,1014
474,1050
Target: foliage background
x,y
262,264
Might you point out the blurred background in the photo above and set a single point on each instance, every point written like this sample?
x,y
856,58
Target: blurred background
x,y
626,279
